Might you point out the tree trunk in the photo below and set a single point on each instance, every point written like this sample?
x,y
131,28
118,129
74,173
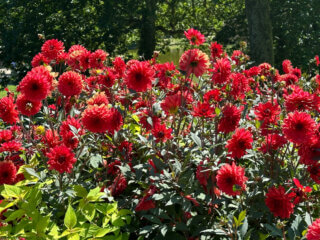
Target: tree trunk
x,y
260,31
147,41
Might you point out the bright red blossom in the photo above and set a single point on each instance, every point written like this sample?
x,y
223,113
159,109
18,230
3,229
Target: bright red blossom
x,y
203,110
8,112
194,61
161,133
221,71
7,172
231,179
314,230
70,83
194,36
230,118
61,158
139,76
299,127
279,202
240,141
52,48
27,107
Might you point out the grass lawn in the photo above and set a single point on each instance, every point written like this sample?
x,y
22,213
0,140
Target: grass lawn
x,y
11,88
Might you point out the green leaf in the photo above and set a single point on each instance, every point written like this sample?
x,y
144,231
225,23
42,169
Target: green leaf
x,y
80,191
16,214
95,160
196,139
43,224
70,219
32,172
12,191
89,211
74,236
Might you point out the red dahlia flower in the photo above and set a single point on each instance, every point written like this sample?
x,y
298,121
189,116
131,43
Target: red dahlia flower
x,y
230,118
98,99
212,96
38,60
279,202
70,84
268,112
194,61
34,86
300,191
240,141
300,100
171,103
314,230
27,107
8,172
216,51
52,48
221,71
194,37
289,79
287,66
11,146
309,153
317,60
120,66
8,112
107,79
97,58
165,72
314,171
203,110
139,76
299,127
118,186
272,142
231,179
161,133
5,135
61,158
240,85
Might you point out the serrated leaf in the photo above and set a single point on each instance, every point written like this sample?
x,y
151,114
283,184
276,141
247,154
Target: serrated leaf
x,y
70,219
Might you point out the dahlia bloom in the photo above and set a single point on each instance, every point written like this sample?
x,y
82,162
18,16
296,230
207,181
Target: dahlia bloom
x,y
70,84
240,85
300,191
240,141
98,99
267,112
171,103
161,133
52,48
300,100
34,86
309,153
272,142
216,51
38,60
314,230
165,72
11,146
118,186
314,171
212,96
97,58
120,66
61,158
289,78
8,172
8,112
230,118
299,127
203,110
5,135
231,179
139,76
221,71
65,126
107,79
27,107
194,61
99,119
287,66
279,202
194,37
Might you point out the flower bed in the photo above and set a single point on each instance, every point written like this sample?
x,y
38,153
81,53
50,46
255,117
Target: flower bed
x,y
96,148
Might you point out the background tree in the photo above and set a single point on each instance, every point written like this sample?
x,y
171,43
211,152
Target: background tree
x,y
260,31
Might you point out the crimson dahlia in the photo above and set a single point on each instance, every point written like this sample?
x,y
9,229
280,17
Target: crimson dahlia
x,y
139,76
61,158
70,84
194,36
194,61
8,112
52,48
231,179
314,230
299,127
240,141
7,172
279,202
27,107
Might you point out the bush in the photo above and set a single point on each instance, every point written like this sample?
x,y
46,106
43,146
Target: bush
x,y
214,149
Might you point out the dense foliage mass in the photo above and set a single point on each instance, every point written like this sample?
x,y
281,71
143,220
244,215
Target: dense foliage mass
x,y
211,149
